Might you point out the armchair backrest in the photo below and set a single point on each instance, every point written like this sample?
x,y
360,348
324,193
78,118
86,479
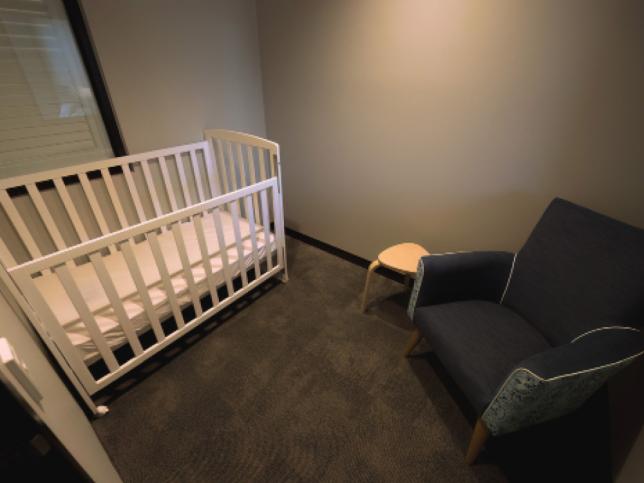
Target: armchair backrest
x,y
579,270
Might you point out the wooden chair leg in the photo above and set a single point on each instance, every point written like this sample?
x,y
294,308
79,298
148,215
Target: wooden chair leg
x,y
413,341
375,264
479,437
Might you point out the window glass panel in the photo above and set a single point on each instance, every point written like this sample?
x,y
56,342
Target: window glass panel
x,y
48,114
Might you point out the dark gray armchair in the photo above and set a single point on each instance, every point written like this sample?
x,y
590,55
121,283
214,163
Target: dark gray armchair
x,y
529,337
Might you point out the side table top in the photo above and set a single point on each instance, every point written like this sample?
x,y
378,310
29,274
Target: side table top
x,y
402,257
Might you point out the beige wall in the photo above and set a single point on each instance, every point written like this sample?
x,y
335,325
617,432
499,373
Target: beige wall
x,y
174,67
452,123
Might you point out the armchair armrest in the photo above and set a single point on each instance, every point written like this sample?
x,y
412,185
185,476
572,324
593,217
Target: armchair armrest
x,y
452,277
556,381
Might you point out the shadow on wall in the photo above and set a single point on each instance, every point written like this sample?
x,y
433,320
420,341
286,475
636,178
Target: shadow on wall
x,y
626,396
481,222
597,161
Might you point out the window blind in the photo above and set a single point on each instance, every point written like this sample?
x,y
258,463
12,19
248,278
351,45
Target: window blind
x,y
48,114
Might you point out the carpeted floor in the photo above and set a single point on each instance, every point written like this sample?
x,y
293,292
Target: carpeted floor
x,y
295,384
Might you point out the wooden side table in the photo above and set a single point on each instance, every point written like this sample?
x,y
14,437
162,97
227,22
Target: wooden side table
x,y
402,258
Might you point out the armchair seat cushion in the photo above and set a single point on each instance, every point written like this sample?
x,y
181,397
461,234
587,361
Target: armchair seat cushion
x,y
479,343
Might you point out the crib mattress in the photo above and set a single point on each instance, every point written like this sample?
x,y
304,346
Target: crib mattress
x,y
93,293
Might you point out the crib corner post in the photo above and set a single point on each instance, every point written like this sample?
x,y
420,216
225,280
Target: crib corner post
x,y
283,276
97,411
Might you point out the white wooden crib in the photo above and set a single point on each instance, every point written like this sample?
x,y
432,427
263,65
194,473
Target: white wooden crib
x,y
100,256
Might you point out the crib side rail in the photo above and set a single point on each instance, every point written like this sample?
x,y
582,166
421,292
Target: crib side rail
x,y
53,210
61,265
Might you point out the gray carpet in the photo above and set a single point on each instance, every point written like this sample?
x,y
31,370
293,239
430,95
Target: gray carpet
x,y
293,384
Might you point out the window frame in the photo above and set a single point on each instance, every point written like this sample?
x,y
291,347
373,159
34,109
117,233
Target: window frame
x,y
85,46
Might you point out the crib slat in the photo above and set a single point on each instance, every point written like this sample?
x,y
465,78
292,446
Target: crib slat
x,y
232,168
266,221
223,251
242,167
187,271
182,178
253,179
71,209
251,163
211,169
142,289
222,163
5,255
262,163
279,227
272,161
168,183
253,232
242,176
19,225
116,201
197,171
149,182
234,211
165,277
131,186
205,257
113,296
43,211
93,203
69,284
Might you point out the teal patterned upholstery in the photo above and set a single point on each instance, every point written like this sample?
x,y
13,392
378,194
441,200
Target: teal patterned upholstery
x,y
420,275
526,399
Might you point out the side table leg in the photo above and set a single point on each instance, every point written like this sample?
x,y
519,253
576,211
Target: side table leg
x,y
375,264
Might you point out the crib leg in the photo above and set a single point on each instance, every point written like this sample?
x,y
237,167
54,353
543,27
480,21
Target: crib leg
x,y
283,276
102,411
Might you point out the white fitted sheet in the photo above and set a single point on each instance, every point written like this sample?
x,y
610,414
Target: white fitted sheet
x,y
93,293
